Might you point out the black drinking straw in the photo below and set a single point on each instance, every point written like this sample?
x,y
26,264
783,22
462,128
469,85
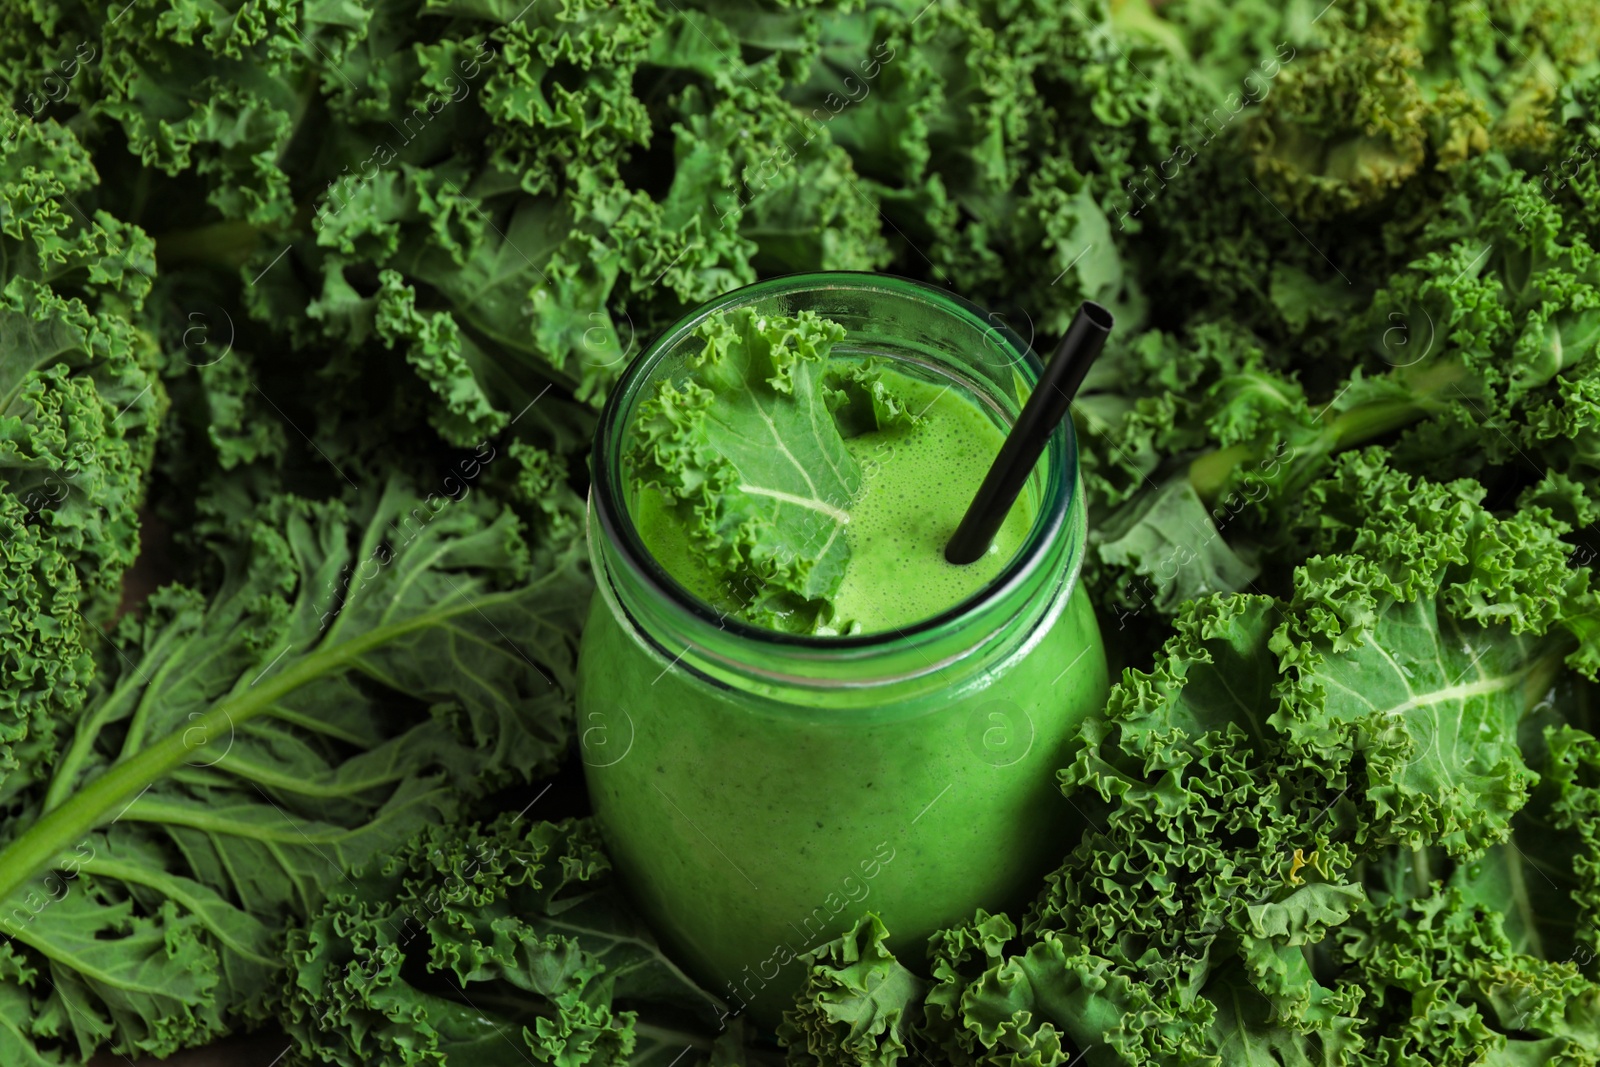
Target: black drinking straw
x,y
1043,412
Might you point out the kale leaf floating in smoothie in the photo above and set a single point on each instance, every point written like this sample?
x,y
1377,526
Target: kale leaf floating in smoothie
x,y
809,490
748,468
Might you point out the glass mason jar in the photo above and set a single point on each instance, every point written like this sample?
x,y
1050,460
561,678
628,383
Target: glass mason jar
x,y
760,791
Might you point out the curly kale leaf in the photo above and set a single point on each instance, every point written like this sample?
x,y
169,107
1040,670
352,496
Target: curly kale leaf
x,y
1443,968
504,943
858,1005
748,459
1385,92
516,199
1477,354
79,403
351,679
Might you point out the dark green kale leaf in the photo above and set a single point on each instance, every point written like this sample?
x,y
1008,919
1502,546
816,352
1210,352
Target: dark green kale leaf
x,y
504,943
79,405
351,680
858,1005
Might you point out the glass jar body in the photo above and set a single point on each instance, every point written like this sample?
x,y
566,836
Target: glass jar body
x,y
760,792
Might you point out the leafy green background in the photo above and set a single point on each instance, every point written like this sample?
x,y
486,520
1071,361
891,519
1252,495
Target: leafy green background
x,y
306,310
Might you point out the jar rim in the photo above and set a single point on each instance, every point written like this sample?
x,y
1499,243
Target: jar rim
x,y
616,522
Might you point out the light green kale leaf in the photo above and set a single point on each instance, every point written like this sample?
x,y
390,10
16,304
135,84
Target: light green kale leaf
x,y
748,455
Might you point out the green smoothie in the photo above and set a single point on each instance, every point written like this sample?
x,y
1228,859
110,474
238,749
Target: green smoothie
x,y
917,482
800,483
